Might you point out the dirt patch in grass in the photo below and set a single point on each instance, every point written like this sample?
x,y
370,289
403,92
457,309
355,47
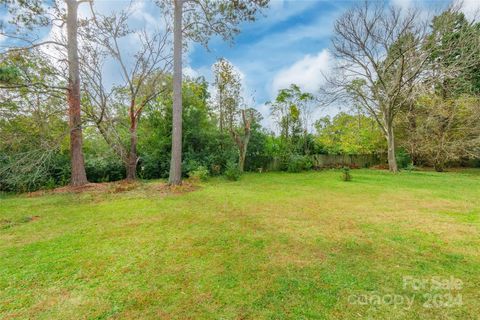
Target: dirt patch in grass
x,y
103,187
123,186
120,187
70,189
7,223
79,189
185,187
380,167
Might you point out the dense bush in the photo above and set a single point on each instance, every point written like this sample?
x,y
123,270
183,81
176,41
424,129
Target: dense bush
x,y
259,151
298,163
232,172
403,159
30,171
104,169
200,173
346,176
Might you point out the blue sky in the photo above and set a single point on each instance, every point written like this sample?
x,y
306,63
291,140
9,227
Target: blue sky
x,y
288,44
290,32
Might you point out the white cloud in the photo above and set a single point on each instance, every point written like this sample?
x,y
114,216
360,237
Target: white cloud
x,y
403,4
190,72
142,13
306,73
471,8
264,109
282,10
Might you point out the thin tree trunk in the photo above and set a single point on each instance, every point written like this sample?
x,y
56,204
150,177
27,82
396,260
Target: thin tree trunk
x,y
176,160
392,161
78,176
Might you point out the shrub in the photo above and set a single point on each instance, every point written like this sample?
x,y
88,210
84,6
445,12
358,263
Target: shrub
x,y
104,169
298,163
411,167
346,176
30,171
216,169
200,173
403,159
153,166
232,172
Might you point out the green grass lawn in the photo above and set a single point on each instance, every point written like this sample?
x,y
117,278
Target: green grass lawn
x,y
270,246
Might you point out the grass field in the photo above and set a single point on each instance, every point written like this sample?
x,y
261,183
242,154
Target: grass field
x,y
270,246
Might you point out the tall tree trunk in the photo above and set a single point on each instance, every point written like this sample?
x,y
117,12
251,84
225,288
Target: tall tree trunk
x,y
242,155
242,142
221,110
392,161
132,156
78,176
176,160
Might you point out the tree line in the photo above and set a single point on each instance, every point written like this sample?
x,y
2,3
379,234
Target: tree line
x,y
410,87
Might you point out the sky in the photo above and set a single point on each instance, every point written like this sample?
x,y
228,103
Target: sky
x,y
288,43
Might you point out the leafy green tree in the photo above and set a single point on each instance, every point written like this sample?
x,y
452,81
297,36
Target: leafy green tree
x,y
201,138
291,111
349,134
232,112
454,54
32,123
441,125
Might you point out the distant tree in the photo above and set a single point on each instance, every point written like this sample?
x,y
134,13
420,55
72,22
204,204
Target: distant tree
x,y
349,134
227,84
378,48
201,139
453,46
232,113
291,111
447,129
438,127
198,20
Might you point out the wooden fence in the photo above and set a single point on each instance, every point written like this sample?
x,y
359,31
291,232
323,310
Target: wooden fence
x,y
354,160
334,161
